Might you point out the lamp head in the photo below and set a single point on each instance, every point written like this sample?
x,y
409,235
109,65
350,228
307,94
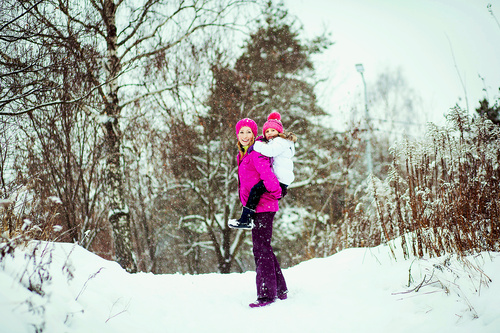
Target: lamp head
x,y
360,68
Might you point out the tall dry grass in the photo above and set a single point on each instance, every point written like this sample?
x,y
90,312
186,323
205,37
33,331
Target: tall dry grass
x,y
442,194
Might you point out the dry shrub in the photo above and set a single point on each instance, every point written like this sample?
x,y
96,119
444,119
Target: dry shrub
x,y
442,195
25,217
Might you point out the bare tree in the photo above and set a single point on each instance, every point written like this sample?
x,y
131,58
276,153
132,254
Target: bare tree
x,y
116,42
394,106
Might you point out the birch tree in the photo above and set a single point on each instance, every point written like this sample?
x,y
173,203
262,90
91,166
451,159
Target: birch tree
x,y
115,42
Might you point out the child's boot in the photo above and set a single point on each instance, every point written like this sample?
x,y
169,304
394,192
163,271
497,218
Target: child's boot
x,y
245,221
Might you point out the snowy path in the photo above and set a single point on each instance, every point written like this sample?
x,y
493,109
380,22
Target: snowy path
x,y
356,290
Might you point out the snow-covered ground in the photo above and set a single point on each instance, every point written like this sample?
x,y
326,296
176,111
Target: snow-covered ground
x,y
356,290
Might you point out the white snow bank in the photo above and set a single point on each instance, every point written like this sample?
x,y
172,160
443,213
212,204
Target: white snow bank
x,y
356,290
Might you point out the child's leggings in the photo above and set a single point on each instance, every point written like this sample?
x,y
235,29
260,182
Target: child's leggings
x,y
257,191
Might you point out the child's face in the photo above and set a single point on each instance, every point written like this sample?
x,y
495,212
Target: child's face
x,y
271,133
245,136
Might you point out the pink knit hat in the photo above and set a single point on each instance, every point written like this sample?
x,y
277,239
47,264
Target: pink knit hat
x,y
247,122
273,121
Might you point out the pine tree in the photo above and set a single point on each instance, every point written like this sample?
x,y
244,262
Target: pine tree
x,y
280,71
274,73
490,112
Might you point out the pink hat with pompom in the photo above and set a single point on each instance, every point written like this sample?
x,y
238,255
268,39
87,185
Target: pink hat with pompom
x,y
273,121
247,122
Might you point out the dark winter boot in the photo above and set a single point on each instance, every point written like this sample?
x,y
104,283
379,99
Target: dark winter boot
x,y
282,296
245,221
260,302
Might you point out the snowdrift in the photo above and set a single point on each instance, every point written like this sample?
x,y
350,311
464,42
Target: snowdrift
x,y
64,288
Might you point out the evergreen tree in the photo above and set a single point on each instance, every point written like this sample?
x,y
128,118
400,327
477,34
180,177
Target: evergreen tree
x,y
490,112
274,73
280,71
282,78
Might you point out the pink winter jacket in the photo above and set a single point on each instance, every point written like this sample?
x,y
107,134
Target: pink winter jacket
x,y
253,168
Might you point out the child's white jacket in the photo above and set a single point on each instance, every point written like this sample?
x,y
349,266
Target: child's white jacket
x,y
281,151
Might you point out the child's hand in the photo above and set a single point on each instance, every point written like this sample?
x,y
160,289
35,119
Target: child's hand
x,y
284,191
261,138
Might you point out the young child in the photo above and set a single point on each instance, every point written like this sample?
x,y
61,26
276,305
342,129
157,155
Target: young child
x,y
279,145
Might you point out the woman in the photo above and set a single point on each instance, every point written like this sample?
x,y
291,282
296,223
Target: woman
x,y
252,168
280,146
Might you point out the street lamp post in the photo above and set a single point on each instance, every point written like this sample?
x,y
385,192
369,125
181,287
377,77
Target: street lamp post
x,y
369,164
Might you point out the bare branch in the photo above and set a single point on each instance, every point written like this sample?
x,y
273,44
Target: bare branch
x,y
141,20
150,93
190,30
5,102
65,11
52,103
18,17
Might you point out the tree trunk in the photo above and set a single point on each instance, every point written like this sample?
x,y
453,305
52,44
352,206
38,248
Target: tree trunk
x,y
226,261
119,216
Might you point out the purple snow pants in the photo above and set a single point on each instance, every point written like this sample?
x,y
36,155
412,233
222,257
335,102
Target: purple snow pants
x,y
270,280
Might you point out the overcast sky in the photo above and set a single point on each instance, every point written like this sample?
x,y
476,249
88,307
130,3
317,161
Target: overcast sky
x,y
432,41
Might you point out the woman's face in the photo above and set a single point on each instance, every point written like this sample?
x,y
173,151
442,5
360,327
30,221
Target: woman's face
x,y
245,136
